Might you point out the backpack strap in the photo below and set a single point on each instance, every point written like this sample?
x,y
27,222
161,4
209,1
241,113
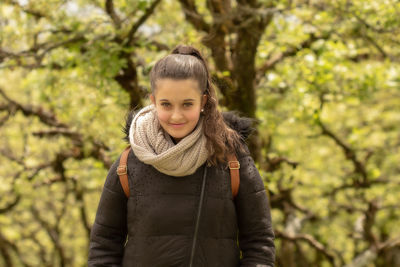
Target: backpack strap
x,y
233,165
122,170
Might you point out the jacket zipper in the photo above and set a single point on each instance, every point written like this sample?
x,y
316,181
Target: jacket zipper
x,y
196,229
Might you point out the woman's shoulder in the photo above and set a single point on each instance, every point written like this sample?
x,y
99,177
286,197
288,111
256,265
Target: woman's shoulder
x,y
243,126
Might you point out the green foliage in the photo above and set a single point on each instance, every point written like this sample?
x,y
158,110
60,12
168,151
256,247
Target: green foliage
x,y
329,110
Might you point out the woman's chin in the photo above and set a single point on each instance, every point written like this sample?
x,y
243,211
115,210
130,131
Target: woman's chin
x,y
178,133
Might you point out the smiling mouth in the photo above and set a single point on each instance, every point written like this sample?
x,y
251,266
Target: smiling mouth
x,y
177,125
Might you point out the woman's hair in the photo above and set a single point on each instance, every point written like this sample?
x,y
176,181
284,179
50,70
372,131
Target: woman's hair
x,y
186,62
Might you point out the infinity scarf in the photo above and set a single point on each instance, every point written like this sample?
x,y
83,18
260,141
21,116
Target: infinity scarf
x,y
153,146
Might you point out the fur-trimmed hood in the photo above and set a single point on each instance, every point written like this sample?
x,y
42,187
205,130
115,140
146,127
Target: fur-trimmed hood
x,y
242,125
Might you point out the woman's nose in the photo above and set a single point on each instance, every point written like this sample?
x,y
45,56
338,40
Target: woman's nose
x,y
176,114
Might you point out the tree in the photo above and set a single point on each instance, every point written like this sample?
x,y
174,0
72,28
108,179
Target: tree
x,y
321,78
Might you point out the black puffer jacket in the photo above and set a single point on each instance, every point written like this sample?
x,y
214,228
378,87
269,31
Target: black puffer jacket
x,y
160,215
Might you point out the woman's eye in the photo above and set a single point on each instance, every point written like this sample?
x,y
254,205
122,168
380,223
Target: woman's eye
x,y
165,104
187,104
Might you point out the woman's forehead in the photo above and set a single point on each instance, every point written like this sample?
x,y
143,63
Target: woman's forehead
x,y
177,89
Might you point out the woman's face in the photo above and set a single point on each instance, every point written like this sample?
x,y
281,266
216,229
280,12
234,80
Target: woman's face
x,y
178,104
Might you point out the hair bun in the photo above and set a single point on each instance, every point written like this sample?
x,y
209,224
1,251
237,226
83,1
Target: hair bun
x,y
187,50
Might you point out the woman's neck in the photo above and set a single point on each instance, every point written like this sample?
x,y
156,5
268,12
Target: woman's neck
x,y
175,140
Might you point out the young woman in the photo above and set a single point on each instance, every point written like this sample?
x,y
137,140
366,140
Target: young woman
x,y
181,211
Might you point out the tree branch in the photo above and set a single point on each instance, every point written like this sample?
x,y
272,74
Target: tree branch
x,y
44,116
53,233
79,196
274,163
50,119
193,16
38,51
11,205
113,15
35,13
141,20
277,58
309,240
374,28
4,252
356,184
389,244
376,45
350,154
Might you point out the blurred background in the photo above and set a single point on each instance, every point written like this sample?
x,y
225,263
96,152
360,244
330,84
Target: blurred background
x,y
322,78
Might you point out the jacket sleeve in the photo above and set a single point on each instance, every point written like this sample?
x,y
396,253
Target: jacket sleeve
x,y
256,237
108,233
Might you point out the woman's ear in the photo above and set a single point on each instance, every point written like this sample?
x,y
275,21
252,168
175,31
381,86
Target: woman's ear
x,y
153,100
203,101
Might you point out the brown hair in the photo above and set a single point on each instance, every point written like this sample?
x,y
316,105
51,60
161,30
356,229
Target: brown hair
x,y
186,62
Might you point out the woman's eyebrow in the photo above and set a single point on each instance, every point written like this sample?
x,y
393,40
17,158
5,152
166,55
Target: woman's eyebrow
x,y
186,100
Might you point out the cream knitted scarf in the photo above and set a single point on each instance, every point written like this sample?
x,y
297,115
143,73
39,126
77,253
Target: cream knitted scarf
x,y
153,146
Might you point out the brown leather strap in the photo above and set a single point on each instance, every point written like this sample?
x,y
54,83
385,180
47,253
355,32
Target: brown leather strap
x,y
234,166
122,171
